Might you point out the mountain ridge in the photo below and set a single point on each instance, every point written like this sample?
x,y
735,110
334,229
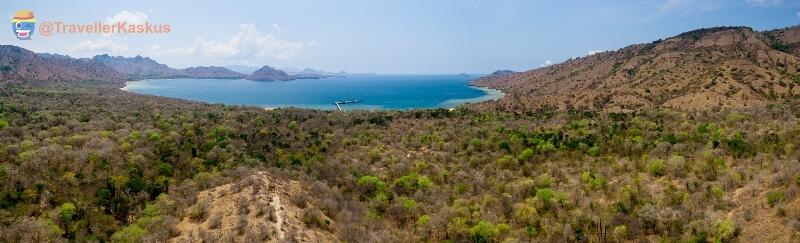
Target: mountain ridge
x,y
139,67
19,64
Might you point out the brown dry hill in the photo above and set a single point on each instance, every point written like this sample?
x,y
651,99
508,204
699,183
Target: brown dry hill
x,y
19,64
705,69
259,208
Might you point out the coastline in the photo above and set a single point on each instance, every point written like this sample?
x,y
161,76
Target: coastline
x,y
489,94
125,87
495,94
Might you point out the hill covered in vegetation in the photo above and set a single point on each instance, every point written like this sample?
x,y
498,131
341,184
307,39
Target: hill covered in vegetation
x,y
85,161
706,69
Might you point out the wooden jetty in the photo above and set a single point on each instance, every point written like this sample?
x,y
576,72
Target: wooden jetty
x,y
339,103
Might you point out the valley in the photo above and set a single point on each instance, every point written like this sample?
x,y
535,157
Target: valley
x,y
688,139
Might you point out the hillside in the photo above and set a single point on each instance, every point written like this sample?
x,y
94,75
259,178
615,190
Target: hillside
x,y
706,69
18,64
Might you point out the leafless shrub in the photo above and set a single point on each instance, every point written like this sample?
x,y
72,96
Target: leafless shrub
x,y
207,236
198,211
314,217
243,205
215,222
236,187
256,188
299,199
263,208
241,224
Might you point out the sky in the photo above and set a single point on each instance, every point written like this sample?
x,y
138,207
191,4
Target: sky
x,y
397,37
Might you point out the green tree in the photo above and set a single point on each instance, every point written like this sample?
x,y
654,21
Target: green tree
x,y
545,147
593,151
737,145
483,232
66,212
525,154
544,195
593,181
3,173
476,144
725,231
656,167
423,221
129,234
3,123
774,197
620,233
525,212
370,185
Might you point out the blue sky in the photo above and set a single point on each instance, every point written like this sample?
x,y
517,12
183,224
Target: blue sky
x,y
410,36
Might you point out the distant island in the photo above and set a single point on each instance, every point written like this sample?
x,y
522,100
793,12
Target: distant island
x,y
212,72
267,73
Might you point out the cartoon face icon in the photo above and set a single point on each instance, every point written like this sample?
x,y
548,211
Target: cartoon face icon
x,y
23,24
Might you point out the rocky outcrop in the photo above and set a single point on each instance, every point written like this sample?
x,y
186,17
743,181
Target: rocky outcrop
x,y
258,208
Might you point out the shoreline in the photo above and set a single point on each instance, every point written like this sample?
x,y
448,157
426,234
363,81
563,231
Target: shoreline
x,y
489,94
125,87
496,94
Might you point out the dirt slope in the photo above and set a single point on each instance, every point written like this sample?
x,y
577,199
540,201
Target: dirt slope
x,y
256,209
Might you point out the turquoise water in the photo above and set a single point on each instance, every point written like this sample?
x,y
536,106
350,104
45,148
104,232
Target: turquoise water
x,y
374,91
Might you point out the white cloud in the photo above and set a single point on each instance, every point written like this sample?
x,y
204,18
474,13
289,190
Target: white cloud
x,y
688,6
766,2
129,17
546,63
277,27
248,43
155,47
99,46
670,4
592,52
311,43
154,50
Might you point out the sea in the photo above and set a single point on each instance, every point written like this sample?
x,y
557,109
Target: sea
x,y
390,92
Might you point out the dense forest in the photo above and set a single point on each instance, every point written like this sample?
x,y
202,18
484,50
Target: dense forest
x,y
87,162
